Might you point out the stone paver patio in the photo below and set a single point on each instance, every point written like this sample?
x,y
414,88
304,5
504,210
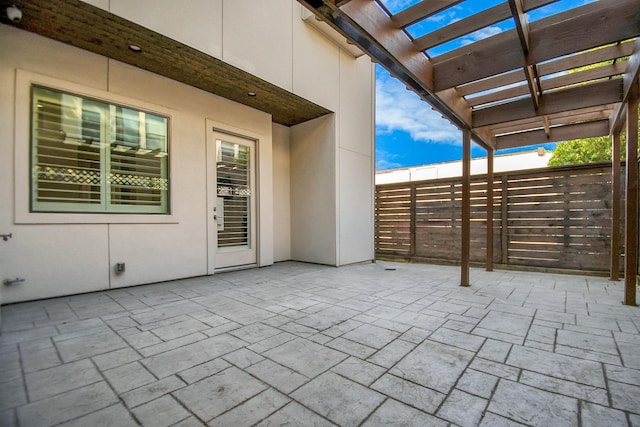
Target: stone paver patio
x,y
304,345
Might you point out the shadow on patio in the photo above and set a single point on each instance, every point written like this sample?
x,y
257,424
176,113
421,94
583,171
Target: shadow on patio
x,y
371,344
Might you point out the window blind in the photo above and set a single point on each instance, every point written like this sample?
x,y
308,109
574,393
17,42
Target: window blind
x,y
91,156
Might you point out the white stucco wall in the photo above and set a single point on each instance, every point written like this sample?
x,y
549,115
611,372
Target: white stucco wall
x,y
333,225
356,160
281,193
313,191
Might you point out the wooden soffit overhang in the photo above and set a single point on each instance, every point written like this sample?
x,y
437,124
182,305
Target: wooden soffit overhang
x,y
562,76
85,26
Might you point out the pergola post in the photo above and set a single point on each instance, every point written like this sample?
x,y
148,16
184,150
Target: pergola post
x,y
489,263
465,247
631,210
615,206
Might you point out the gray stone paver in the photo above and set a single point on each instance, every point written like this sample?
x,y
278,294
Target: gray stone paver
x,y
342,401
151,391
557,365
372,336
49,382
586,393
477,383
473,408
302,344
410,393
116,415
306,357
281,378
393,413
39,354
530,406
596,416
90,345
625,396
185,357
295,414
128,377
254,410
359,371
66,406
162,412
218,393
433,365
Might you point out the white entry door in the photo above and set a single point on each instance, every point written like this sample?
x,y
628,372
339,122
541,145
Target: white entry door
x,y
231,201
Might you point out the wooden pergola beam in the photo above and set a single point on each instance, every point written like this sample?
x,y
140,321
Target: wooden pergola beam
x,y
547,126
522,25
630,76
599,112
589,57
577,77
499,95
594,94
490,83
614,272
465,229
579,29
559,133
631,205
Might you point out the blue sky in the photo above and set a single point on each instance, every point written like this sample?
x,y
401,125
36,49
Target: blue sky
x,y
408,131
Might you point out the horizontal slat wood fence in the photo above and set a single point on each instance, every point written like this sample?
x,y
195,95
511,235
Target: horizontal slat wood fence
x,y
554,218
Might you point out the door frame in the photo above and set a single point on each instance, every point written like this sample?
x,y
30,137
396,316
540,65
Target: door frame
x,y
213,128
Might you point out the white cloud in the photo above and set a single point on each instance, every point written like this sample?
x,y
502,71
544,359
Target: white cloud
x,y
448,17
400,109
397,5
483,33
385,160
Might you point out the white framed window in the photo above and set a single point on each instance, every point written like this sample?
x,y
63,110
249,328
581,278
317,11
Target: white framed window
x,y
92,156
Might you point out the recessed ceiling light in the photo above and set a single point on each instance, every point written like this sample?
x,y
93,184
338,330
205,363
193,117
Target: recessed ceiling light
x,y
135,48
251,93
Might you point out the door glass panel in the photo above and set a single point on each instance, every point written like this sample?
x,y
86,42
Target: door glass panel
x,y
233,195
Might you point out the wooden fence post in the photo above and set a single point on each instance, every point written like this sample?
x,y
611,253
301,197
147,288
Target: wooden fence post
x,y
465,247
631,217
